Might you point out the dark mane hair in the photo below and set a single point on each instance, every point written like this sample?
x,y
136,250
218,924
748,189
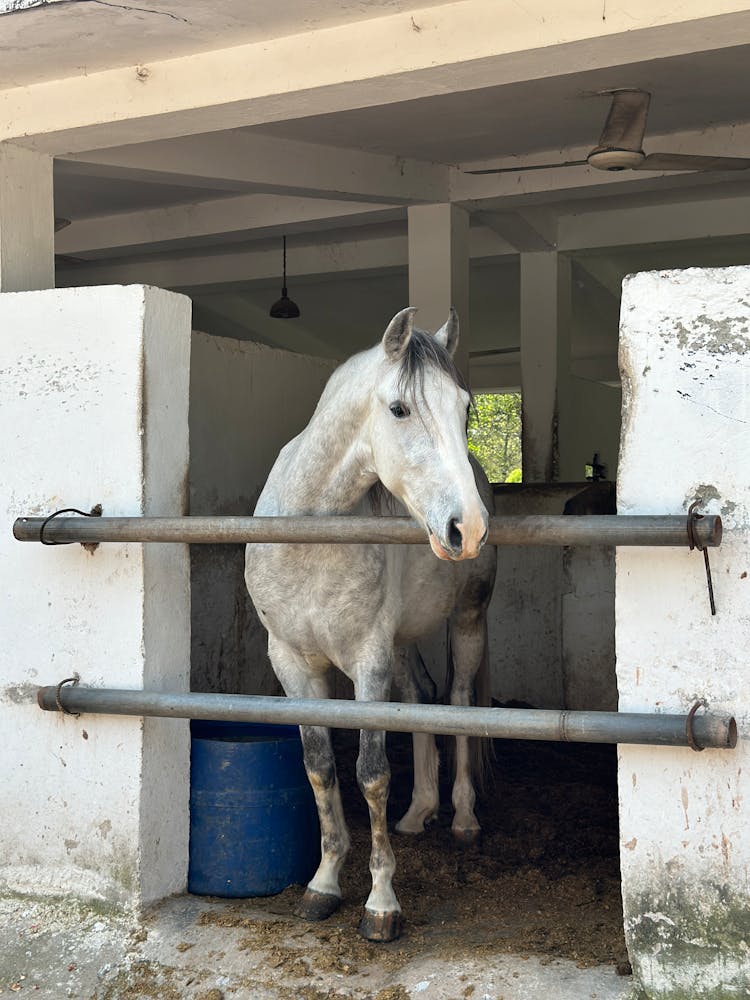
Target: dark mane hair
x,y
381,500
421,351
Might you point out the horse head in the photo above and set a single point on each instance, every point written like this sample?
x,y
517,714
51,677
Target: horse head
x,y
417,424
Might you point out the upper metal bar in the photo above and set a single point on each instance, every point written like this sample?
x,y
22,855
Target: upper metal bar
x,y
718,731
594,529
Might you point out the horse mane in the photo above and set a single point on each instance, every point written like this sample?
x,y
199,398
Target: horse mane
x,y
423,350
381,501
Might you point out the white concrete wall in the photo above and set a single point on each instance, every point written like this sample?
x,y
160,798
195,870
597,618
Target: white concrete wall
x,y
684,816
551,618
246,402
93,408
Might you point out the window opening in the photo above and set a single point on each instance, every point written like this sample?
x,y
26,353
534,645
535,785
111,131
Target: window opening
x,y
494,434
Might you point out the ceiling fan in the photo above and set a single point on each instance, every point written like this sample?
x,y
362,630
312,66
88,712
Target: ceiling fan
x,y
619,146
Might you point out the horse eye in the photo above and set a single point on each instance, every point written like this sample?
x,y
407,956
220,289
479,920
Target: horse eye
x,y
399,410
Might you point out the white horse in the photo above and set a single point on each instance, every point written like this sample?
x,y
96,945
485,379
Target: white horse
x,y
396,415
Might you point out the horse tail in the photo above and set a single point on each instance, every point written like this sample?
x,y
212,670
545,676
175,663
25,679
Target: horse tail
x,y
481,755
450,666
480,747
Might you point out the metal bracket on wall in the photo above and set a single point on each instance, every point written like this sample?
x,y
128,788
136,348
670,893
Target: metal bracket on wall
x,y
692,518
96,511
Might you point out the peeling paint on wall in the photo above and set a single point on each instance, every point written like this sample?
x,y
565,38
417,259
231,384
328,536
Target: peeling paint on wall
x,y
684,824
77,819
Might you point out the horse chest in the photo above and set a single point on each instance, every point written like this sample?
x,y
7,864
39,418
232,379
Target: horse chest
x,y
326,599
314,596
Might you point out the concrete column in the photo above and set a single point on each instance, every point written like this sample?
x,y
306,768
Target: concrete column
x,y
93,409
685,816
27,220
545,360
439,270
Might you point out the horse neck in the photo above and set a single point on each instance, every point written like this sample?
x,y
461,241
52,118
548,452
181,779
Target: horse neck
x,y
325,469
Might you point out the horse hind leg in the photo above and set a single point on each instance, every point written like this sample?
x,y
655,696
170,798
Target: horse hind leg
x,y
323,894
416,685
468,637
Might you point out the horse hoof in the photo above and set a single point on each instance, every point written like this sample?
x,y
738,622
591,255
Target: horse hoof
x,y
469,840
415,828
381,926
407,830
317,905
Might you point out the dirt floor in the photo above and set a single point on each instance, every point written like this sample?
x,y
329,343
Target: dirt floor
x,y
545,879
534,912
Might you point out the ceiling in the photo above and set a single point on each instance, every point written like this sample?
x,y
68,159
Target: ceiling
x,y
689,92
700,103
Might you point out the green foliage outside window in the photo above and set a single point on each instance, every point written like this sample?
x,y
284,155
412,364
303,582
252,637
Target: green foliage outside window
x,y
495,435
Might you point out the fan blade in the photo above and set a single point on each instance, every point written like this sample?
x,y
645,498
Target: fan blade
x,y
519,170
683,161
626,121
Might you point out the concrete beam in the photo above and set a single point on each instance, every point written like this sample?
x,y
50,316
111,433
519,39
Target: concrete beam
x,y
527,231
261,213
606,273
225,267
421,53
243,158
665,223
206,268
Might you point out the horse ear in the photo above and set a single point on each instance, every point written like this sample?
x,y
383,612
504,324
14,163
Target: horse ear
x,y
398,333
447,335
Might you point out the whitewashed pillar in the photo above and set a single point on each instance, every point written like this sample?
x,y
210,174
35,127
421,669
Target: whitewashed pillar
x,y
685,816
545,361
93,409
27,223
439,270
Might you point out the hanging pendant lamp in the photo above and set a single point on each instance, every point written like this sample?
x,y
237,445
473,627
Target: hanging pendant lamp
x,y
284,308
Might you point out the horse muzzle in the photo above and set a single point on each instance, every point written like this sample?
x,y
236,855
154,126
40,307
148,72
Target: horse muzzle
x,y
456,543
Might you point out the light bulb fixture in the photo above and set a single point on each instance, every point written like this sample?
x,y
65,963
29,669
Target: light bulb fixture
x,y
284,308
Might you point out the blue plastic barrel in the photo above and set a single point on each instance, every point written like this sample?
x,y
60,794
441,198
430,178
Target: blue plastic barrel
x,y
253,822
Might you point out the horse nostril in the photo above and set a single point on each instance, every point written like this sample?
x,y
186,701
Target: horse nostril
x,y
455,538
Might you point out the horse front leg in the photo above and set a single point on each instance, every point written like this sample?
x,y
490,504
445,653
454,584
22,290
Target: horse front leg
x,y
323,894
382,917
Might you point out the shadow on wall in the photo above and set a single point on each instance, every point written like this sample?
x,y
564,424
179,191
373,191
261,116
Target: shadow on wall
x,y
552,615
246,401
229,645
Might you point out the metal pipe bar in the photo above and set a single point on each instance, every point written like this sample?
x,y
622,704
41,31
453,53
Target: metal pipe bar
x,y
718,731
593,529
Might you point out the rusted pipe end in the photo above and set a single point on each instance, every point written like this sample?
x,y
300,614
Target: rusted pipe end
x,y
40,699
704,531
716,536
18,533
732,733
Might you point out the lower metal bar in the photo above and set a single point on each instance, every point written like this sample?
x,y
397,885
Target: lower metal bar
x,y
718,731
587,529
